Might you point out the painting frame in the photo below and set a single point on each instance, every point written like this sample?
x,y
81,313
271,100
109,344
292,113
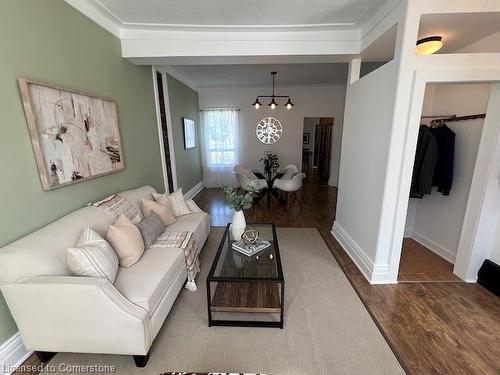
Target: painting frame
x,y
306,138
189,131
35,134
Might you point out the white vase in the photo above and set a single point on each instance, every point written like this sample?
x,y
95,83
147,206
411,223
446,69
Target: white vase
x,y
238,225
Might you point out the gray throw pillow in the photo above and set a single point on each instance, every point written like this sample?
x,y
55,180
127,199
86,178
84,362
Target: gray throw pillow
x,y
151,227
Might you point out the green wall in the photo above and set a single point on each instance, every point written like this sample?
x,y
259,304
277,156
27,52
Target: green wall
x,y
184,103
50,41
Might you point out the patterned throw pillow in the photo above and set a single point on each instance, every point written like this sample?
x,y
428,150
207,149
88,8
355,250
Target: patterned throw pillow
x,y
151,227
176,201
93,256
115,205
126,240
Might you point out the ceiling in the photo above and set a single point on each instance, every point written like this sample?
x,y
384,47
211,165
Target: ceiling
x,y
232,13
459,29
258,75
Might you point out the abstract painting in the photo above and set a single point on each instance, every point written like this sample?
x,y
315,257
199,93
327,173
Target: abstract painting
x,y
75,136
189,133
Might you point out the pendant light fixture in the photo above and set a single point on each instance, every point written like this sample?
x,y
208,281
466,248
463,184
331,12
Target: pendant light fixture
x,y
273,104
429,45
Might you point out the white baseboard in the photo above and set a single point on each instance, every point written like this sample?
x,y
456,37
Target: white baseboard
x,y
434,247
374,273
12,354
408,233
194,191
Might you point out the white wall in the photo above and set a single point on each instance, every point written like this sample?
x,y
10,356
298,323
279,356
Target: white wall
x,y
365,144
309,102
437,219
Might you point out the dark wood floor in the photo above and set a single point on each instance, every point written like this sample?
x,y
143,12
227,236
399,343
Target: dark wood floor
x,y
420,264
433,328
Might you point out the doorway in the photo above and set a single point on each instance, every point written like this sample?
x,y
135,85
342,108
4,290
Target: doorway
x,y
164,134
317,149
449,139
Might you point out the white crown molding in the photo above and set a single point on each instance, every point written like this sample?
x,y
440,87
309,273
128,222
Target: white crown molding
x,y
264,87
12,354
99,14
179,75
235,28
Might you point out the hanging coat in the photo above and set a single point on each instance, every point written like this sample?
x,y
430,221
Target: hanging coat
x,y
443,173
426,157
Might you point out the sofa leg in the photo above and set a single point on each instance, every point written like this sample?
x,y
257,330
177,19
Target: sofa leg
x,y
45,357
141,360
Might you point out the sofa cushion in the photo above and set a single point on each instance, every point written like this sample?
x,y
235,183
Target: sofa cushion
x,y
126,240
148,280
195,223
93,256
164,212
176,202
151,227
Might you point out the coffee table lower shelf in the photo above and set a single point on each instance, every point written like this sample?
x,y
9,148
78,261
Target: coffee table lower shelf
x,y
257,297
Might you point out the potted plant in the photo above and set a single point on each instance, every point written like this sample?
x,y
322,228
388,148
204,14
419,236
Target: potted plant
x,y
271,163
238,202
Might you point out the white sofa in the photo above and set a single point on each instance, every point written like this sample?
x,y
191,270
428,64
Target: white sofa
x,y
58,312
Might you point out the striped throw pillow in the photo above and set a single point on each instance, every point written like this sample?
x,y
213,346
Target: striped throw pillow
x,y
93,256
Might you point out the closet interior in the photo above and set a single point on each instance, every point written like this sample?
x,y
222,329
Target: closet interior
x,y
448,142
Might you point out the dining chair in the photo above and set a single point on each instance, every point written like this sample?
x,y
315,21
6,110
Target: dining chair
x,y
247,180
289,185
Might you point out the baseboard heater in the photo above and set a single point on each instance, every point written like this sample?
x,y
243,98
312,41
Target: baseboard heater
x,y
489,276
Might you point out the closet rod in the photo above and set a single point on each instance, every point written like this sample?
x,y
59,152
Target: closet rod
x,y
452,118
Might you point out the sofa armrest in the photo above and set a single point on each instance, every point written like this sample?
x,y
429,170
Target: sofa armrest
x,y
77,314
193,206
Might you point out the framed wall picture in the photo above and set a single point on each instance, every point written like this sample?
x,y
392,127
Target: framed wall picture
x,y
75,135
305,138
189,133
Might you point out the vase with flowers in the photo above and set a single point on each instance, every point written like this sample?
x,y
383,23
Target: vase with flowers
x,y
238,202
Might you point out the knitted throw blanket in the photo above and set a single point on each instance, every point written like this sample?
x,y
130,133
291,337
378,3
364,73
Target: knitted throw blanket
x,y
183,240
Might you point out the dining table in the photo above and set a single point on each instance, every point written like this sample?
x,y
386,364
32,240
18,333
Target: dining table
x,y
269,176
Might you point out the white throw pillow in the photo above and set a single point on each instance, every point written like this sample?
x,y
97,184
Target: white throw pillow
x,y
93,256
176,200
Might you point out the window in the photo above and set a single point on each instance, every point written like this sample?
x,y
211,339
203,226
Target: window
x,y
221,132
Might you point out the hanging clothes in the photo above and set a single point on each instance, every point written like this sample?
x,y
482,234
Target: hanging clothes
x,y
443,173
424,165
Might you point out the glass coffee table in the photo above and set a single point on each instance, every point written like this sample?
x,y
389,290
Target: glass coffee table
x,y
246,291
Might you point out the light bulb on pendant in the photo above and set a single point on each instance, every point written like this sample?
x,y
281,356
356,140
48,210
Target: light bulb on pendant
x,y
289,104
273,104
256,104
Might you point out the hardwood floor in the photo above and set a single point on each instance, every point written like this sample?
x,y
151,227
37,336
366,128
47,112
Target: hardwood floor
x,y
433,328
418,263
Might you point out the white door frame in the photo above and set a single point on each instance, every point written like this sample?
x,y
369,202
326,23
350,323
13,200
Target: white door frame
x,y
484,178
160,131
169,129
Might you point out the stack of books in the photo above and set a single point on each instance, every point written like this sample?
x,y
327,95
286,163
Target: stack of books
x,y
250,249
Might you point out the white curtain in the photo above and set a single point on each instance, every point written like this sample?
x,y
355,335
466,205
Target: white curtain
x,y
220,146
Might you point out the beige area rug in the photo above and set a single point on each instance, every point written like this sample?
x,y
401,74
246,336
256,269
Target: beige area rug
x,y
327,328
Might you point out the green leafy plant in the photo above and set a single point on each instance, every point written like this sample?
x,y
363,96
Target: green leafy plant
x,y
237,201
271,162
